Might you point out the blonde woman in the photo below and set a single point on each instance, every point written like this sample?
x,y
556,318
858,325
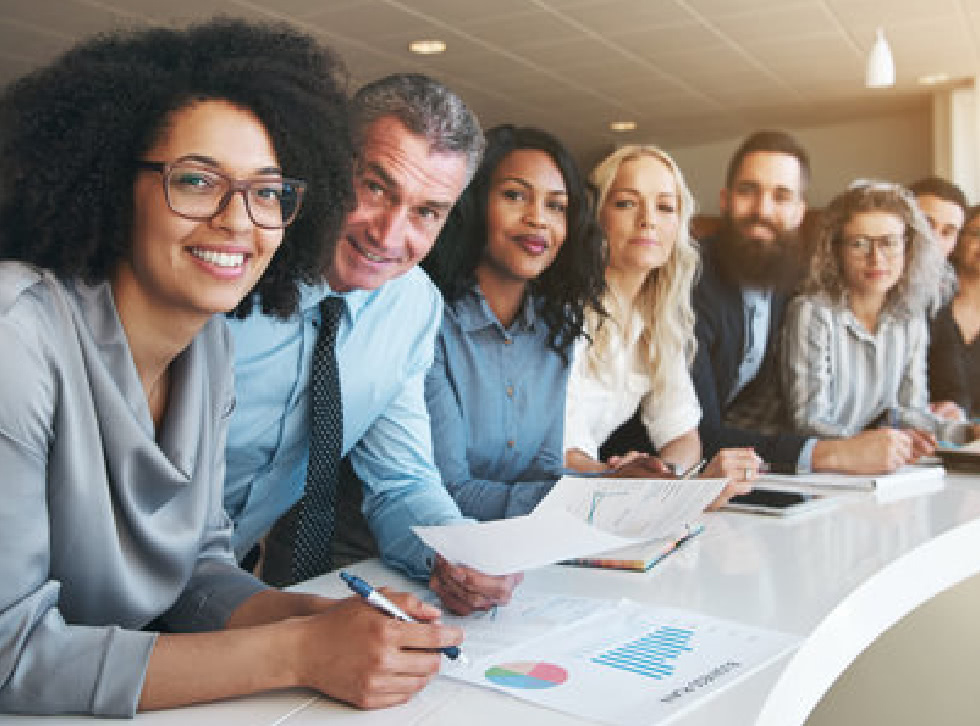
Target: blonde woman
x,y
641,352
854,340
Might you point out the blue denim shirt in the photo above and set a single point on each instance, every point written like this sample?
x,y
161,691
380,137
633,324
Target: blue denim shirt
x,y
384,348
496,398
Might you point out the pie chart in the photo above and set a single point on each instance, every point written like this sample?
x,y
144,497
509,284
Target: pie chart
x,y
527,674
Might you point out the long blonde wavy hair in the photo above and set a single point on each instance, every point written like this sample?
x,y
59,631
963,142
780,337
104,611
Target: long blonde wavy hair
x,y
664,301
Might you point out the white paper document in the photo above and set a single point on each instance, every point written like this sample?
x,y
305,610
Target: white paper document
x,y
527,617
636,664
856,481
580,517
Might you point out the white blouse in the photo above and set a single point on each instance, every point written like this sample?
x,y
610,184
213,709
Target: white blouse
x,y
596,407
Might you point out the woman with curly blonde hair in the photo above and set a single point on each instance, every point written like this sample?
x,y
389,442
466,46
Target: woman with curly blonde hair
x,y
641,351
855,338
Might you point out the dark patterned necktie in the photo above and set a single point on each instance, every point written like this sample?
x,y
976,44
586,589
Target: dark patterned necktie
x,y
317,508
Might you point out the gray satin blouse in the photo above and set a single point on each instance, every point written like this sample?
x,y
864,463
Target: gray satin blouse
x,y
102,527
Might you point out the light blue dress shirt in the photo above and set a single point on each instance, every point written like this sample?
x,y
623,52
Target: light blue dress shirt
x,y
497,400
384,348
757,307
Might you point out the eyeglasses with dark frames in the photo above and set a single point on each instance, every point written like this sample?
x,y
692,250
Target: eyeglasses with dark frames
x,y
861,245
194,190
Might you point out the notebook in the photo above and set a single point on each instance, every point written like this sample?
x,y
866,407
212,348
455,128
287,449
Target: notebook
x,y
867,482
640,557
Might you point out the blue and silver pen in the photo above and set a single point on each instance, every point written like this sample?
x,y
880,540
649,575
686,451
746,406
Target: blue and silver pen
x,y
379,601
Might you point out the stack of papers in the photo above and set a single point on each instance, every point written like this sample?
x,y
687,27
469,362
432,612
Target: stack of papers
x,y
579,518
867,482
638,558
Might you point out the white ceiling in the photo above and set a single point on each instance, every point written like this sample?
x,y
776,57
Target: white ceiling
x,y
687,71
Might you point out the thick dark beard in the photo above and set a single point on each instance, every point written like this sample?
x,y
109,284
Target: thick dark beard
x,y
774,265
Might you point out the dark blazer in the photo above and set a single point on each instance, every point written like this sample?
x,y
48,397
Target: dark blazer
x,y
720,331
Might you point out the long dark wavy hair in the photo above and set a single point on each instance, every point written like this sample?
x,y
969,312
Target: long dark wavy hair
x,y
572,282
71,135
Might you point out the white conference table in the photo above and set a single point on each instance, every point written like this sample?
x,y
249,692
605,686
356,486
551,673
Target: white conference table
x,y
839,577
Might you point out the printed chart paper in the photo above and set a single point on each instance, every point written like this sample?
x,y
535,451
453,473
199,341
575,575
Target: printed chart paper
x,y
527,617
636,665
580,517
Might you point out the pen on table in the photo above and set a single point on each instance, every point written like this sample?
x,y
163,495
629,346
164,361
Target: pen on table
x,y
379,601
692,532
694,470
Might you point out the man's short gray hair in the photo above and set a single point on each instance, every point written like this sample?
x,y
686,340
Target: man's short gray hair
x,y
427,108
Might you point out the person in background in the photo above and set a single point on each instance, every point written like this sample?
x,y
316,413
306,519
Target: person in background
x,y
854,341
639,355
158,175
417,144
944,206
954,350
517,263
748,271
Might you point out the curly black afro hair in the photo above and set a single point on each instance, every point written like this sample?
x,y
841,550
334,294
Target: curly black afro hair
x,y
72,132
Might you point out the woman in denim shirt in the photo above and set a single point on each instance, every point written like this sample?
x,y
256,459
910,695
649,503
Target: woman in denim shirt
x,y
517,263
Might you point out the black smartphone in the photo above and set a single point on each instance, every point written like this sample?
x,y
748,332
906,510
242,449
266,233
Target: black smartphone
x,y
779,502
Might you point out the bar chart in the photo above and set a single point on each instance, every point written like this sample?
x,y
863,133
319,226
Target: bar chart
x,y
654,655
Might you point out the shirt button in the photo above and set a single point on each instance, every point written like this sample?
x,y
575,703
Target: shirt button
x,y
510,444
510,391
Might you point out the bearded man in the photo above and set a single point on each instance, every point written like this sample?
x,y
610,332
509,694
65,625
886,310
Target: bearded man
x,y
749,269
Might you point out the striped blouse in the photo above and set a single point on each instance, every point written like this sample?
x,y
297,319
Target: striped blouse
x,y
838,378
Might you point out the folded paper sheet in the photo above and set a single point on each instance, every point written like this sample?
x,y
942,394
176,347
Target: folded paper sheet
x,y
580,517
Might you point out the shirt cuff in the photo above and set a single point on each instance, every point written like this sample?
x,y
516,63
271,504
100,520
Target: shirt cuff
x,y
524,497
122,674
410,555
214,592
804,465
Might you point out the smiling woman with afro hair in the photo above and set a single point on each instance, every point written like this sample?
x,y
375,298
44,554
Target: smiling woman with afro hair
x,y
71,135
149,183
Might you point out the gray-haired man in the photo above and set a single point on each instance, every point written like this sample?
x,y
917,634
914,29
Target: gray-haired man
x,y
418,147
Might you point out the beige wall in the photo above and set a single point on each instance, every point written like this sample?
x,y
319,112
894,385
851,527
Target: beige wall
x,y
896,148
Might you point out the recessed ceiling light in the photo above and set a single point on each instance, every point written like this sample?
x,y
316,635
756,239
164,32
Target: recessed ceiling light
x,y
933,78
427,47
622,126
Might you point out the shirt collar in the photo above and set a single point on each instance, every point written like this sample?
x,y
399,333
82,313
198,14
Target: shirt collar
x,y
886,319
310,297
756,295
474,313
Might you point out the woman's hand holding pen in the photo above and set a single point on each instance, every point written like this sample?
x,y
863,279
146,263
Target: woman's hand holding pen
x,y
373,660
923,443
